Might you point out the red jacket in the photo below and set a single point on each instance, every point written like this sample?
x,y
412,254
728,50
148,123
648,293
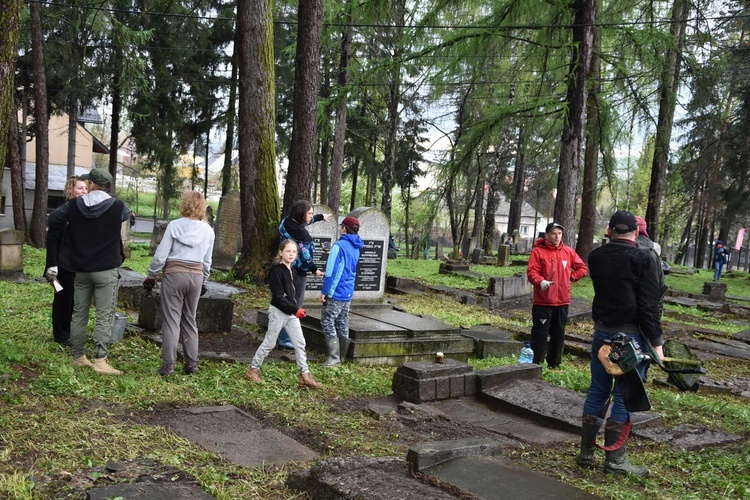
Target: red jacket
x,y
560,264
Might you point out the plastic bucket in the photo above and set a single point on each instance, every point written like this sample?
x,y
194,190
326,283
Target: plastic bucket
x,y
121,322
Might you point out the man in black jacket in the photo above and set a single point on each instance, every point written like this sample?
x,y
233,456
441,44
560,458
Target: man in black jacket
x,y
626,300
89,227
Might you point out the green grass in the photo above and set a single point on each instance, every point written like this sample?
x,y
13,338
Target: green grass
x,y
56,419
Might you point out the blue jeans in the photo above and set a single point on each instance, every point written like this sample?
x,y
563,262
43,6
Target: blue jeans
x,y
602,382
717,270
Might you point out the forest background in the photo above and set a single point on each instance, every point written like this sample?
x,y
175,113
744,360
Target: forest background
x,y
579,108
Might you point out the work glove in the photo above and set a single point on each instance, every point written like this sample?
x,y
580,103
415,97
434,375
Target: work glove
x,y
544,285
51,274
301,313
204,289
148,285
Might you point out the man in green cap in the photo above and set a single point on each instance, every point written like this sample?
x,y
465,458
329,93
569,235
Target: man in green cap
x,y
89,229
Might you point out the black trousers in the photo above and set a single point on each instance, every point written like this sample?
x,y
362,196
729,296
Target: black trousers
x,y
548,321
62,306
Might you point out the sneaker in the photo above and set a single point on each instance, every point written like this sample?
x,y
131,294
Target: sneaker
x,y
166,370
83,362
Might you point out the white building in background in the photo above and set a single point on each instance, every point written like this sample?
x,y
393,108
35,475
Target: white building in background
x,y
86,145
532,221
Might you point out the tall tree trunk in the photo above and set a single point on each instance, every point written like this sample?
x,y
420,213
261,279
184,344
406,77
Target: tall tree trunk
x,y
114,135
476,228
493,195
519,182
226,170
10,27
72,138
15,167
575,118
339,136
390,143
325,156
305,120
587,227
670,81
258,188
37,229
355,180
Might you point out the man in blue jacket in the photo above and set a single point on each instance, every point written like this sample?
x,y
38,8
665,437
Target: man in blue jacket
x,y
338,291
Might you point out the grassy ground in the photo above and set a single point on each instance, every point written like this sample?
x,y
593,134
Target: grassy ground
x,y
59,426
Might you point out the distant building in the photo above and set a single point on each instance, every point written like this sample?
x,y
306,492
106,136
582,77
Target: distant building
x,y
86,146
532,221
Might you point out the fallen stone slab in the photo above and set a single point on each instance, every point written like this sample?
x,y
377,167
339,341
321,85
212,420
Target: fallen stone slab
x,y
383,478
495,477
548,404
492,342
738,350
424,455
511,429
149,491
688,437
237,436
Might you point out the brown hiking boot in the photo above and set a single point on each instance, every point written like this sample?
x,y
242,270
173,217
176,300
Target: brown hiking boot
x,y
83,362
307,380
103,368
253,375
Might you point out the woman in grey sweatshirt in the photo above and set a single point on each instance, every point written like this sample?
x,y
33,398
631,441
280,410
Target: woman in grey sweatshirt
x,y
184,258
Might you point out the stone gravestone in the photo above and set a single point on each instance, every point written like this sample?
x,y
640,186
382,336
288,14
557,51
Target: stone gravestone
x,y
370,284
439,252
324,234
125,237
476,255
503,255
160,226
228,229
11,251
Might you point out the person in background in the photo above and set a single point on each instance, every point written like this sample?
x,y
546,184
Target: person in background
x,y
553,266
653,249
184,257
95,260
721,256
284,312
338,291
293,227
62,303
626,300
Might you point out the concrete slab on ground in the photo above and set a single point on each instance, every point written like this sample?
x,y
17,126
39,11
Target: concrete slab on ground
x,y
149,491
494,477
501,422
689,437
383,478
415,324
237,436
550,405
733,349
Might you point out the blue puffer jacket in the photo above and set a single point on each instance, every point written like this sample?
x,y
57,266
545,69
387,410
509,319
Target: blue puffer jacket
x,y
341,269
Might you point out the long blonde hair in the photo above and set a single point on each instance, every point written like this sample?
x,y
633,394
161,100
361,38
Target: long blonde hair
x,y
193,205
282,246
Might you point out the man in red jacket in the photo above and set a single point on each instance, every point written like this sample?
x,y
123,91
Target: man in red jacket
x,y
552,267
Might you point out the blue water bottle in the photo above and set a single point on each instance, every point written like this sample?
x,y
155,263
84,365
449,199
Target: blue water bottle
x,y
526,355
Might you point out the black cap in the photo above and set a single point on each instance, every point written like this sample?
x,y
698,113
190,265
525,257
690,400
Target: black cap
x,y
623,222
553,225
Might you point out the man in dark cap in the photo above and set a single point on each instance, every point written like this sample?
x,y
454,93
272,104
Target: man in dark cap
x,y
552,268
626,300
89,227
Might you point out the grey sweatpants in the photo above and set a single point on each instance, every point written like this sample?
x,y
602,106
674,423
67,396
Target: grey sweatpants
x,y
180,293
278,319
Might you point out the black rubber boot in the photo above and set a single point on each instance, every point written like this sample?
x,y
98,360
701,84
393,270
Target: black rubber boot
x,y
590,425
617,460
343,348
